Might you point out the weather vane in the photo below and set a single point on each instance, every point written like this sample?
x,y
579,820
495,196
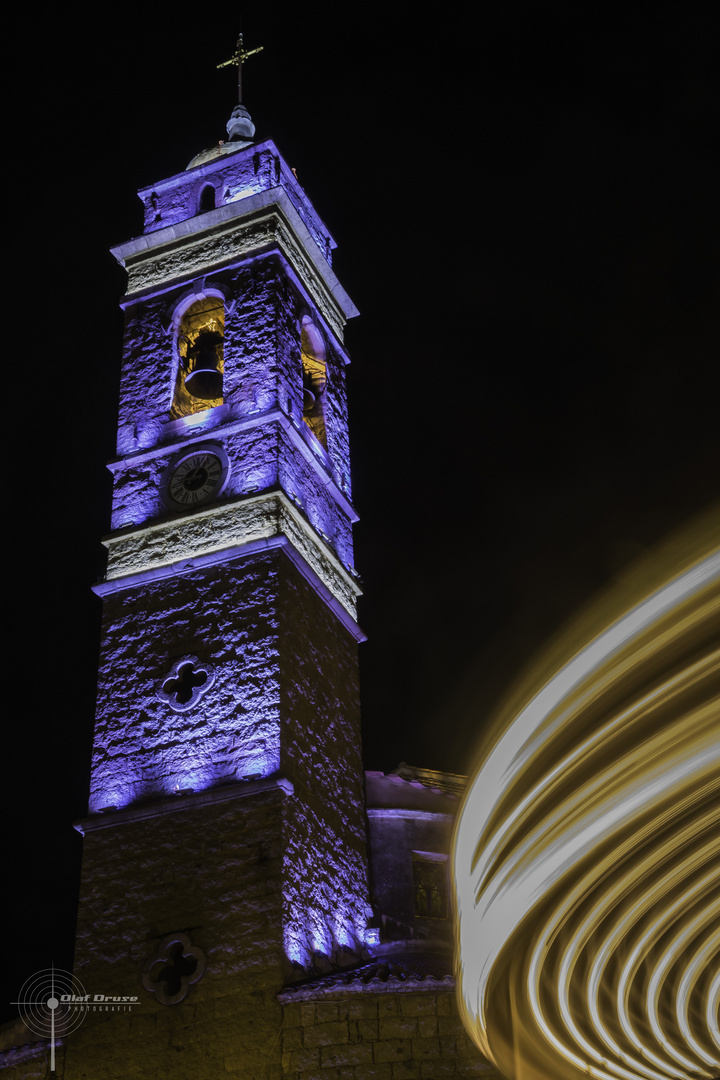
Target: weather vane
x,y
239,58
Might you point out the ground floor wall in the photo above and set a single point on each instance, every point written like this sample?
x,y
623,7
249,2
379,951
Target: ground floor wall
x,y
379,1036
362,1035
212,876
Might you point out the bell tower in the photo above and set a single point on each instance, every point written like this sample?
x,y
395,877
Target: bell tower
x,y
224,850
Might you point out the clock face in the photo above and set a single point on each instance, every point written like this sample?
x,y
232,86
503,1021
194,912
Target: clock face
x,y
195,478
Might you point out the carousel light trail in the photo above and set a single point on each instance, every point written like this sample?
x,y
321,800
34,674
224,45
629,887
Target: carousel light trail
x,y
587,854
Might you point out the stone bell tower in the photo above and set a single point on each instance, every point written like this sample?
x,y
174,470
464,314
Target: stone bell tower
x,y
224,851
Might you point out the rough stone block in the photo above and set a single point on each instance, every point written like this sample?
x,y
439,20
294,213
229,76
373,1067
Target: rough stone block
x,y
418,1005
327,1034
388,1006
406,1070
437,1070
292,1016
446,1005
476,1067
307,1015
301,1060
363,1008
393,1050
427,1026
325,1012
450,1025
350,1054
292,1039
368,1030
373,1072
449,1046
425,1048
398,1027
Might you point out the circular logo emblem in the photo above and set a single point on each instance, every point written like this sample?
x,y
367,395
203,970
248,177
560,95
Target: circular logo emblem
x,y
46,1003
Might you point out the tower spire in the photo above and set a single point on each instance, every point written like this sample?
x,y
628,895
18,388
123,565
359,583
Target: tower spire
x,y
240,126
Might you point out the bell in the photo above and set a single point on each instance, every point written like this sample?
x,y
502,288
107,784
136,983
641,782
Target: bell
x,y
204,380
308,400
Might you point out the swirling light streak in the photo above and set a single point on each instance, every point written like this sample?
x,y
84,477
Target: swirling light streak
x,y
587,853
605,952
648,940
697,965
712,1010
636,909
670,955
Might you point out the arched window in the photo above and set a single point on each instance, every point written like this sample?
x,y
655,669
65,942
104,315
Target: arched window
x,y
314,379
207,199
199,379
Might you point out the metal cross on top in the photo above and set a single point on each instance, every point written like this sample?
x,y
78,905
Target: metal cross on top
x,y
239,58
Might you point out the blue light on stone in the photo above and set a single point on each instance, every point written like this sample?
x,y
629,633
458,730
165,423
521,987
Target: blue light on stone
x,y
251,584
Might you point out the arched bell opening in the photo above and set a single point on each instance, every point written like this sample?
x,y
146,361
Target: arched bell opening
x,y
314,370
207,199
199,340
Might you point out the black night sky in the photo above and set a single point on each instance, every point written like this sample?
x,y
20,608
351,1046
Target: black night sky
x,y
526,203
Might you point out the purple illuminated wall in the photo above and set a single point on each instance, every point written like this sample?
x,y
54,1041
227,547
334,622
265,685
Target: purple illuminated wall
x,y
262,399
256,619
258,169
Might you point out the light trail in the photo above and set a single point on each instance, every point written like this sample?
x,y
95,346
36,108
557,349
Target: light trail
x,y
587,852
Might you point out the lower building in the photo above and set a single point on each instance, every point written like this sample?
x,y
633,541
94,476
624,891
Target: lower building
x,y
390,1013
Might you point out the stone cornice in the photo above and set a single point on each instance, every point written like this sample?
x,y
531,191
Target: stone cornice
x,y
189,801
341,989
258,224
220,533
417,815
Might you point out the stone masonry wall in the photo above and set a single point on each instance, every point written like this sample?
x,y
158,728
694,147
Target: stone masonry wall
x,y
150,354
259,168
326,888
263,371
262,365
213,873
286,686
384,1036
227,617
23,1056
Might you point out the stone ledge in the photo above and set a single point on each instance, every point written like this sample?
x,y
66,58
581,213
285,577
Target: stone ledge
x,y
209,797
375,986
225,532
259,224
316,456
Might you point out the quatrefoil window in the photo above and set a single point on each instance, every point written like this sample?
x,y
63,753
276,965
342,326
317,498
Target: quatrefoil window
x,y
187,681
172,970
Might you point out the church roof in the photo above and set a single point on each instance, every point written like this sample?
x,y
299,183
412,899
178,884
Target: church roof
x,y
411,788
400,971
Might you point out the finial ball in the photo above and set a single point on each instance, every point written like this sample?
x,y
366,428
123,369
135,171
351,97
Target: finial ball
x,y
240,126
